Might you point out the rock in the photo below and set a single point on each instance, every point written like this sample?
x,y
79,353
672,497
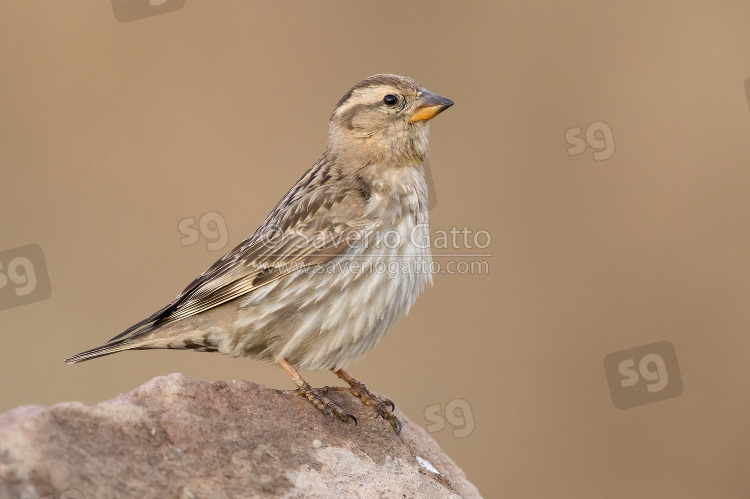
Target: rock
x,y
174,437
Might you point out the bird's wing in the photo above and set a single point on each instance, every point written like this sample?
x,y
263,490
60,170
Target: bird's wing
x,y
309,229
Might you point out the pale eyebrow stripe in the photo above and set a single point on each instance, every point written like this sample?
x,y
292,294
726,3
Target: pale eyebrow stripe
x,y
360,96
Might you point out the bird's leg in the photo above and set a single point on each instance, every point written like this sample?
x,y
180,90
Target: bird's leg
x,y
384,406
315,395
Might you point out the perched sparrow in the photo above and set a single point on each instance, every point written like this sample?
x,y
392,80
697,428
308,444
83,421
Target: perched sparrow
x,y
341,257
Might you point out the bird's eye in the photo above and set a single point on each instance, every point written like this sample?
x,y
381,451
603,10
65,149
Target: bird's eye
x,y
390,100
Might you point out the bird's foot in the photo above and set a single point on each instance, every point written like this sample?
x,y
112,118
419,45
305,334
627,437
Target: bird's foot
x,y
323,403
384,406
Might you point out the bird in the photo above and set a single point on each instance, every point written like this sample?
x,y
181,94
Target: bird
x,y
341,257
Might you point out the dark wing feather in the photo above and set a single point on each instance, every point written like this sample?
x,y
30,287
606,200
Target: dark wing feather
x,y
308,227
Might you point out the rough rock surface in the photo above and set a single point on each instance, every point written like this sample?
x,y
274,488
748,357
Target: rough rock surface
x,y
174,437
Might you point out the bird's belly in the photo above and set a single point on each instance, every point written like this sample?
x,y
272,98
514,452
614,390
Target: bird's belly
x,y
328,315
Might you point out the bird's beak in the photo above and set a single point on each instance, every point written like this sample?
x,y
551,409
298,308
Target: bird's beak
x,y
430,105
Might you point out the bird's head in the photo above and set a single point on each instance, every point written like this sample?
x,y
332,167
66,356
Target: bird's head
x,y
384,118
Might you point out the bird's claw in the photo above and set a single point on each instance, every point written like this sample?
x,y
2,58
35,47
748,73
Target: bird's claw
x,y
382,405
323,403
382,410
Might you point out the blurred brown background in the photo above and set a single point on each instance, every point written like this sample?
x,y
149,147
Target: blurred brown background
x,y
111,133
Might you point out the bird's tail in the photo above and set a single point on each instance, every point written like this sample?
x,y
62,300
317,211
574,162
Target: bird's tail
x,y
109,348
